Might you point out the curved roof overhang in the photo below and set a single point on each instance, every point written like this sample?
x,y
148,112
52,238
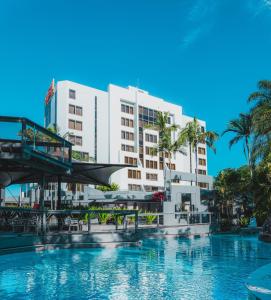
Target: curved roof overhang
x,y
81,172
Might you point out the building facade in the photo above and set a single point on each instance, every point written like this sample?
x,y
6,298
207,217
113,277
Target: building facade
x,y
110,127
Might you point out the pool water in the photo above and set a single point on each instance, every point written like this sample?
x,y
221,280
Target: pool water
x,y
175,268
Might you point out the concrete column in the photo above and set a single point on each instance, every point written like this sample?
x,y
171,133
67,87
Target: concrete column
x,y
2,196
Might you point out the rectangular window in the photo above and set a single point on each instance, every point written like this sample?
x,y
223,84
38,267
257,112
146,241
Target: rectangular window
x,y
130,160
79,111
151,176
127,109
72,94
71,124
78,125
203,185
151,151
151,164
202,172
171,166
201,150
127,148
202,162
134,174
151,138
125,135
76,140
71,109
134,187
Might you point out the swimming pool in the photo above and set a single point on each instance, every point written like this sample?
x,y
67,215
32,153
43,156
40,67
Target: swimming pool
x,y
206,268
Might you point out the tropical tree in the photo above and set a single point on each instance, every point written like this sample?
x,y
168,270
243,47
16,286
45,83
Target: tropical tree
x,y
261,119
193,134
243,130
261,112
166,145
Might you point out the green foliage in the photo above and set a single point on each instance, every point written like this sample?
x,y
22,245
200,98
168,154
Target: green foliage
x,y
111,187
244,221
150,219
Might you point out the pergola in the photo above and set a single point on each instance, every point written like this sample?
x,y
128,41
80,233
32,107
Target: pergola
x,y
30,153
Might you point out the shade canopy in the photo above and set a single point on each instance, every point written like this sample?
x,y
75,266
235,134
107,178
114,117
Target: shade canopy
x,y
81,172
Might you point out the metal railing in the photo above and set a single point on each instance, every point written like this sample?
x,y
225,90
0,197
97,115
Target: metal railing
x,y
50,221
174,219
22,136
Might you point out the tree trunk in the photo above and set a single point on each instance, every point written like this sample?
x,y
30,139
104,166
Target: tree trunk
x,y
196,157
190,159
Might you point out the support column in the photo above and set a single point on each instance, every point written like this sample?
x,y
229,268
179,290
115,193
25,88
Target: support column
x,y
2,197
136,220
41,201
58,206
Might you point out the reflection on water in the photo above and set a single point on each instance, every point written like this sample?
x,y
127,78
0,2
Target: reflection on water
x,y
205,268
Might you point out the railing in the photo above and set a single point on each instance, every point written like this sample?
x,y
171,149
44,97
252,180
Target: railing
x,y
174,219
49,221
93,220
33,139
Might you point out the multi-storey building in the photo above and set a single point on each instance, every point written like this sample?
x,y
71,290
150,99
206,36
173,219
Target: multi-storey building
x,y
110,127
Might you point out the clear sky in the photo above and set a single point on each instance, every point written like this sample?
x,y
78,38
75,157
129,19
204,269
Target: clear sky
x,y
206,55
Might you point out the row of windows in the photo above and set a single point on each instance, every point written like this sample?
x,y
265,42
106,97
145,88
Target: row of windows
x,y
201,150
135,174
201,172
134,187
151,151
130,160
150,188
75,110
151,138
149,115
171,166
127,148
203,185
77,125
76,140
127,122
202,162
151,176
125,135
127,109
151,164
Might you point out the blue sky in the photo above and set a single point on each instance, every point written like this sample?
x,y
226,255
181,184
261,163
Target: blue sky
x,y
205,55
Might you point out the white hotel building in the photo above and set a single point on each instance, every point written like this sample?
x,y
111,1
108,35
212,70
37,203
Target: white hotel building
x,y
109,126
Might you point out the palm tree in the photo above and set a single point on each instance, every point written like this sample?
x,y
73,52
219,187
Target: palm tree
x,y
261,112
193,134
243,130
165,144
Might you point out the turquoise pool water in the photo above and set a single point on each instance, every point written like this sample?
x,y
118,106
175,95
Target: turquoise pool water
x,y
205,268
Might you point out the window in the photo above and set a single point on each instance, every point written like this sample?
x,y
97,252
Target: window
x,y
77,125
201,172
202,129
75,110
171,166
79,111
127,122
134,174
127,148
76,140
134,187
151,164
150,188
130,160
201,150
151,176
127,109
125,135
203,185
151,138
72,94
82,156
71,109
202,162
151,151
